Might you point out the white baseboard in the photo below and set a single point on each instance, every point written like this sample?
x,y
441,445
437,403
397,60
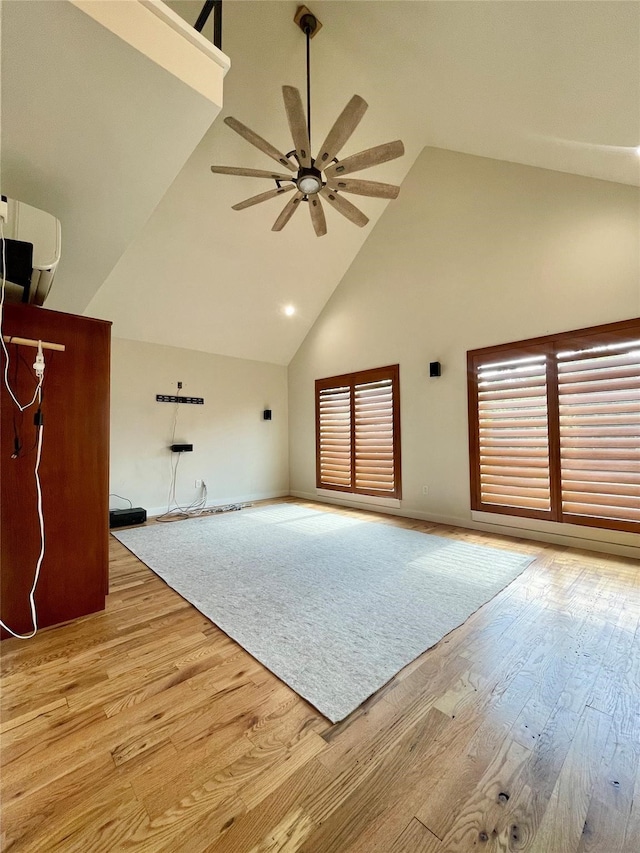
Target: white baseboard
x,y
582,539
362,500
354,502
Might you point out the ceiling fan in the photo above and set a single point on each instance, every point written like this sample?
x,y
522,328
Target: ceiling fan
x,y
322,177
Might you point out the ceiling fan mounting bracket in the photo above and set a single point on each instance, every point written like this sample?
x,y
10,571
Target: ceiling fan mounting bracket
x,y
310,170
307,21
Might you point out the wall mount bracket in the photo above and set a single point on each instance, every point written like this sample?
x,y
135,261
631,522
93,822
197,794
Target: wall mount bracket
x,y
172,398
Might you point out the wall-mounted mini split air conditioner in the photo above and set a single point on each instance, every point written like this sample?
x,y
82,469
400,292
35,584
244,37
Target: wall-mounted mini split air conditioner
x,y
32,251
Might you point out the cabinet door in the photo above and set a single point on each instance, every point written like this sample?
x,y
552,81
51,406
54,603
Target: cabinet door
x,y
74,470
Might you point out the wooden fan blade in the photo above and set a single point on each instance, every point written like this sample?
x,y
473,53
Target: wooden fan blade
x,y
317,216
297,124
345,124
249,173
344,207
366,159
256,199
259,142
375,189
287,212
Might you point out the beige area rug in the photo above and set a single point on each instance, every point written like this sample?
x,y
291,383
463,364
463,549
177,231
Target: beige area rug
x,y
334,606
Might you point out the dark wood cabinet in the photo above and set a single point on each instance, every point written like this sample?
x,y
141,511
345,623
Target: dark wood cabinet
x,y
74,470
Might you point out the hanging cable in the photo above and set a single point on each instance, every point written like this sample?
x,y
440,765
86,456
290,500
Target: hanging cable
x,y
38,367
128,500
175,512
32,602
21,406
198,506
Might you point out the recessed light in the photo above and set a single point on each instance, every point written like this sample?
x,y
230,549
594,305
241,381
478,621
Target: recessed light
x,y
289,310
638,150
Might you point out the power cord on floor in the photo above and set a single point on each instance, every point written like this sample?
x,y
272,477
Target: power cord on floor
x,y
175,512
179,515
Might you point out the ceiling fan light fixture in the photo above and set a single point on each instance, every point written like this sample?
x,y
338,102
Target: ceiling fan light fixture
x,y
309,183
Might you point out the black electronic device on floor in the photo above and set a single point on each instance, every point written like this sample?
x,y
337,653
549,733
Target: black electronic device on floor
x,y
127,517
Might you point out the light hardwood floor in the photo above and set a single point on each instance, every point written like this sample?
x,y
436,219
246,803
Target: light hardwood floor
x,y
146,728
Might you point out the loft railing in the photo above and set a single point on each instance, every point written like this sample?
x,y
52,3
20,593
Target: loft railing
x,y
209,6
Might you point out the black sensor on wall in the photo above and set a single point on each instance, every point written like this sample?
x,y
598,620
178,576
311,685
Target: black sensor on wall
x,y
435,368
181,448
266,415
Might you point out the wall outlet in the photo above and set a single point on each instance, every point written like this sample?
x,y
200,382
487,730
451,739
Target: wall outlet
x,y
425,490
198,484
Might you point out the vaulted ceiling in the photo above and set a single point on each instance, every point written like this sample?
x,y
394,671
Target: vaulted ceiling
x,y
555,85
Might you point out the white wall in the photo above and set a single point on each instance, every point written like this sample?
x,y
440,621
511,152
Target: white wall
x,y
474,252
106,129
238,454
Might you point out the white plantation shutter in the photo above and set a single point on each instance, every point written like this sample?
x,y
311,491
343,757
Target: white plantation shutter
x,y
373,410
358,432
334,428
599,405
513,433
554,427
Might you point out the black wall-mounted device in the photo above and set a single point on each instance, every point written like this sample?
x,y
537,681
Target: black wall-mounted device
x,y
173,398
181,448
126,517
435,369
266,415
19,258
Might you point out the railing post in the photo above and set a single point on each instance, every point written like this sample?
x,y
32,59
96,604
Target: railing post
x,y
203,17
217,23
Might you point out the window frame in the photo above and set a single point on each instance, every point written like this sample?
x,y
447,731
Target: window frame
x,y
550,345
352,379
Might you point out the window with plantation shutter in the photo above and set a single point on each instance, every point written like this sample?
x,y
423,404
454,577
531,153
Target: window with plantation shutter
x,y
599,403
358,432
513,435
334,436
554,427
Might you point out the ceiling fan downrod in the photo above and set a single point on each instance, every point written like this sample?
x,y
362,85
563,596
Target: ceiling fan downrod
x,y
308,25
